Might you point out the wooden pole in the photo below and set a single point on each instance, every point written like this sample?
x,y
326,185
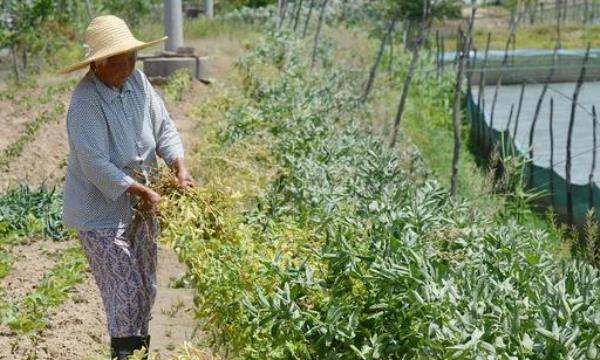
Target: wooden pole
x,y
538,107
373,72
483,71
594,146
552,151
574,104
518,116
510,116
437,55
283,13
442,57
463,53
423,34
498,83
297,17
310,10
318,33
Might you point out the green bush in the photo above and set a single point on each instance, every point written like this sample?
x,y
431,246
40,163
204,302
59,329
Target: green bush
x,y
229,5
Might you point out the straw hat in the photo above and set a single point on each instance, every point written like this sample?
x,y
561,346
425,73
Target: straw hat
x,y
106,36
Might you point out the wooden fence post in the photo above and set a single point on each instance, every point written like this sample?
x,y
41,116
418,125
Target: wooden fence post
x,y
437,55
538,107
521,96
318,33
423,34
510,116
591,177
463,52
499,82
310,10
570,136
384,41
552,151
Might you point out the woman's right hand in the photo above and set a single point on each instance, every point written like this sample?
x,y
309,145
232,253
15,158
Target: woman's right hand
x,y
149,197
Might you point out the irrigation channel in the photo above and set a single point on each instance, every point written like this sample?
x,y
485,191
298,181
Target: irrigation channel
x,y
510,111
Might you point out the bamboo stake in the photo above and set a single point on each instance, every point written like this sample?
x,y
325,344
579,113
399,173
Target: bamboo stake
x,y
552,151
373,72
538,107
483,66
591,177
510,116
283,12
310,9
464,53
497,89
318,33
437,55
570,135
558,44
521,96
443,57
297,17
424,32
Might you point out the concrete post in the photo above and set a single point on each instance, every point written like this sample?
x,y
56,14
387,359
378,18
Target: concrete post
x,y
208,8
173,24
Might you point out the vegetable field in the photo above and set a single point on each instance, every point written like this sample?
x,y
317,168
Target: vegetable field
x,y
350,250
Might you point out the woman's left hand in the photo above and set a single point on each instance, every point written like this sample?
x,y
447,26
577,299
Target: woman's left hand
x,y
183,175
184,178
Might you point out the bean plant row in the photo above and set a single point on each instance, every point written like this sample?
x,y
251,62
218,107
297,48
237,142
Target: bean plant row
x,y
352,251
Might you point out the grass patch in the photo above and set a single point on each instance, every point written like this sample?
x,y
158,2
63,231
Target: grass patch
x,y
542,36
176,84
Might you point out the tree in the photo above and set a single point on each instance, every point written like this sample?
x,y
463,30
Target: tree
x,y
21,25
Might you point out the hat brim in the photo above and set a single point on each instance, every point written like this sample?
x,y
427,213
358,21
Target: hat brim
x,y
110,52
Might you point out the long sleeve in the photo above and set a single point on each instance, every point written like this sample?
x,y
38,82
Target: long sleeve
x,y
88,133
169,145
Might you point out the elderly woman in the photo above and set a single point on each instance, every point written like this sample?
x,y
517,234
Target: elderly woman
x,y
116,126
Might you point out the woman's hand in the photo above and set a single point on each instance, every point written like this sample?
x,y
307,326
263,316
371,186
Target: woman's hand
x,y
149,197
183,176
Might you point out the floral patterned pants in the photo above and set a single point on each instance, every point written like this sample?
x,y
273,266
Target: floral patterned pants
x,y
123,263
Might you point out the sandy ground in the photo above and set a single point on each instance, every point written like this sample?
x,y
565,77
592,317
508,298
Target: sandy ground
x,y
77,328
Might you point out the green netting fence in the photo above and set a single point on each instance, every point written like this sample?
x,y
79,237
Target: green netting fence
x,y
539,178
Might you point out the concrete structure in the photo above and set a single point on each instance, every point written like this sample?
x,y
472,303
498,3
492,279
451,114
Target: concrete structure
x,y
162,67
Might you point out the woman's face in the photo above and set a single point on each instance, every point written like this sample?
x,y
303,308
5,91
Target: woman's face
x,y
115,70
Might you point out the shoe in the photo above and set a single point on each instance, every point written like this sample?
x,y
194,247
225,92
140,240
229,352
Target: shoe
x,y
146,344
123,347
